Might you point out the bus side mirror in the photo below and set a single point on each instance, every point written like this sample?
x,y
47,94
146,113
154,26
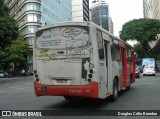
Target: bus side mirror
x,y
101,53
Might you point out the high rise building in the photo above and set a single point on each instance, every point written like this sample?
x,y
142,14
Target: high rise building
x,y
151,9
100,13
80,10
31,14
111,29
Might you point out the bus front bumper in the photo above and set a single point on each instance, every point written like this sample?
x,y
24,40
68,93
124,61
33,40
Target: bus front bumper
x,y
89,91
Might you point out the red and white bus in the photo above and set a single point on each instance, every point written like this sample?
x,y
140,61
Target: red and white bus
x,y
81,59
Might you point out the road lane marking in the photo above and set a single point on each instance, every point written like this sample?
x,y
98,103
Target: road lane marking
x,y
14,87
20,88
29,84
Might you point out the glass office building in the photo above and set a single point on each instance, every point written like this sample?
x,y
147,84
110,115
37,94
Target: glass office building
x,y
31,14
100,14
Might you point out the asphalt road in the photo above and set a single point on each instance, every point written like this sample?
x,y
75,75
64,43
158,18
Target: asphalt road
x,y
18,94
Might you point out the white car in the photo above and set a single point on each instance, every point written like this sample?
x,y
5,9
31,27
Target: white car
x,y
2,74
149,71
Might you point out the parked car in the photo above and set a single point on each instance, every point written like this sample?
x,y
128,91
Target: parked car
x,y
137,71
9,74
2,75
149,71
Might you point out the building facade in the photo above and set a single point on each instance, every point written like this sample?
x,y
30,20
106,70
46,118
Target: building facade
x,y
111,26
151,9
80,10
100,13
31,14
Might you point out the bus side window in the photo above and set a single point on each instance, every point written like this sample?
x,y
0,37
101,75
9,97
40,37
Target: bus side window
x,y
129,56
101,53
117,54
112,52
100,45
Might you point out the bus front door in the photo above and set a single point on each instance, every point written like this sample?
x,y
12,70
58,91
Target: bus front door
x,y
103,72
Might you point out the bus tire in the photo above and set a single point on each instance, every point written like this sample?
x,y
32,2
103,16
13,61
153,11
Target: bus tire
x,y
129,86
68,97
114,96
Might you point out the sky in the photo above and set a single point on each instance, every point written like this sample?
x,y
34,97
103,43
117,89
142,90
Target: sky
x,y
122,11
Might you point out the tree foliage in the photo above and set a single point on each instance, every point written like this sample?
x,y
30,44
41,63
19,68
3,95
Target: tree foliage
x,y
143,30
8,27
17,50
12,46
3,9
8,31
139,51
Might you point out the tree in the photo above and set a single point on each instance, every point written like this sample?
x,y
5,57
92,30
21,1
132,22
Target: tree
x,y
8,27
8,31
140,53
3,9
17,50
143,30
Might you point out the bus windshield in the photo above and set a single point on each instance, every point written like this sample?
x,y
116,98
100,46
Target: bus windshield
x,y
63,41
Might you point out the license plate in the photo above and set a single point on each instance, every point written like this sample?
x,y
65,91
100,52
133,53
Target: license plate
x,y
61,81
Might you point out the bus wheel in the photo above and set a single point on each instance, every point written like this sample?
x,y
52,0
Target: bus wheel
x,y
129,86
138,75
68,97
115,91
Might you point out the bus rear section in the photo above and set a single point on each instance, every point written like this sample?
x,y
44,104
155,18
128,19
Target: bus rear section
x,y
62,65
81,60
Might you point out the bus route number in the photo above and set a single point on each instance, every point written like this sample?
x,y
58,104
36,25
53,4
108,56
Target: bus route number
x,y
75,91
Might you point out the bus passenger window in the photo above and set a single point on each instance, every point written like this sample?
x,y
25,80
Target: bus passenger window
x,y
100,44
129,56
101,53
112,53
117,53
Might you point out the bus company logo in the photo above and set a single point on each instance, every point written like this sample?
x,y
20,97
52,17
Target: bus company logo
x,y
46,37
6,113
